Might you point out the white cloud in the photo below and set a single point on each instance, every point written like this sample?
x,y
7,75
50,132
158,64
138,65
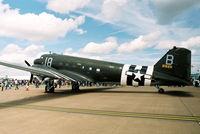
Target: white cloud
x,y
102,48
142,42
69,51
140,17
126,14
80,31
110,8
66,6
167,10
102,51
34,27
12,53
193,42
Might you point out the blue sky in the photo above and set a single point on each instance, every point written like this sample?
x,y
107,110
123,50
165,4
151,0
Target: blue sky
x,y
124,31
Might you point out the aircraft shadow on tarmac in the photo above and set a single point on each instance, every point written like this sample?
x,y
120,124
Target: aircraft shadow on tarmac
x,y
50,96
177,93
171,93
66,93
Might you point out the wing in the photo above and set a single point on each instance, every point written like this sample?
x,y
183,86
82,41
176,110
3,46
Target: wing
x,y
77,76
46,72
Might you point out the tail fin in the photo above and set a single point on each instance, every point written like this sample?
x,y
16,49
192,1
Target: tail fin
x,y
173,68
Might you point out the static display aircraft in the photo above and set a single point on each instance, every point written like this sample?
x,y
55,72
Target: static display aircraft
x,y
173,69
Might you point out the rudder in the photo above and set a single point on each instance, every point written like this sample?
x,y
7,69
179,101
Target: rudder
x,y
173,68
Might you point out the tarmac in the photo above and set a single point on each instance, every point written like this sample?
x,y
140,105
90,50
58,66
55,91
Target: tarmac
x,y
100,110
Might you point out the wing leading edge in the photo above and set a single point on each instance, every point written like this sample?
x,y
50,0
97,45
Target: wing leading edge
x,y
47,72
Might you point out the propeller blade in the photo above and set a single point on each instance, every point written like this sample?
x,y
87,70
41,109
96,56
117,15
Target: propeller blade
x,y
31,79
27,63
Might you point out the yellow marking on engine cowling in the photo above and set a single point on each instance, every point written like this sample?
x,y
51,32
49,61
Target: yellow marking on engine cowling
x,y
79,64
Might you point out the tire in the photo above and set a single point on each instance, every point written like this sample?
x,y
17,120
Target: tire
x,y
75,87
51,90
161,90
46,89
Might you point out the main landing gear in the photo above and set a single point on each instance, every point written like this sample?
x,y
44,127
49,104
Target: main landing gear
x,y
160,90
75,86
49,87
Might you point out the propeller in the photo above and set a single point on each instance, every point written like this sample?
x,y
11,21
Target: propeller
x,y
27,63
31,79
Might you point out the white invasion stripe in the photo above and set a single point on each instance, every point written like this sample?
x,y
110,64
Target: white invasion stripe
x,y
148,76
138,67
123,74
135,83
149,70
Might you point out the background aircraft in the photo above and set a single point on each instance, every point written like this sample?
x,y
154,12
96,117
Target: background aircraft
x,y
172,69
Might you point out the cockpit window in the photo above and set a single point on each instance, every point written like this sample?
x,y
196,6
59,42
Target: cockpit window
x,y
41,57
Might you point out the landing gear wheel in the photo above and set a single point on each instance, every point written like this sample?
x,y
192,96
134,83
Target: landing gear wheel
x,y
161,90
49,88
75,87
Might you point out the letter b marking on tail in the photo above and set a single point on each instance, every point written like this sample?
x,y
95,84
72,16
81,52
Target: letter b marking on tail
x,y
169,59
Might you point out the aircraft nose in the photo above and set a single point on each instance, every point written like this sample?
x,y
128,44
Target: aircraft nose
x,y
37,61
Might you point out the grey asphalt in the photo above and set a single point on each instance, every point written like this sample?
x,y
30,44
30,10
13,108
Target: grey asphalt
x,y
100,110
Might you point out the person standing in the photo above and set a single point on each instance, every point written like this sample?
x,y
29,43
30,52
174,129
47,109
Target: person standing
x,y
37,83
16,84
27,86
2,86
59,83
6,84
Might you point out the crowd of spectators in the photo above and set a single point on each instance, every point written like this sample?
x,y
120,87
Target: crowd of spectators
x,y
10,83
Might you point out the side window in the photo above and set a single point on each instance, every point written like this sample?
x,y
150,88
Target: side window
x,y
98,70
66,64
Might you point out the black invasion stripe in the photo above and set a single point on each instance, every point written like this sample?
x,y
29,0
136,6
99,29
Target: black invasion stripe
x,y
132,68
143,70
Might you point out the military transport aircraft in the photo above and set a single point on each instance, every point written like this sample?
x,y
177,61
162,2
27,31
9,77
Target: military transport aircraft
x,y
172,69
